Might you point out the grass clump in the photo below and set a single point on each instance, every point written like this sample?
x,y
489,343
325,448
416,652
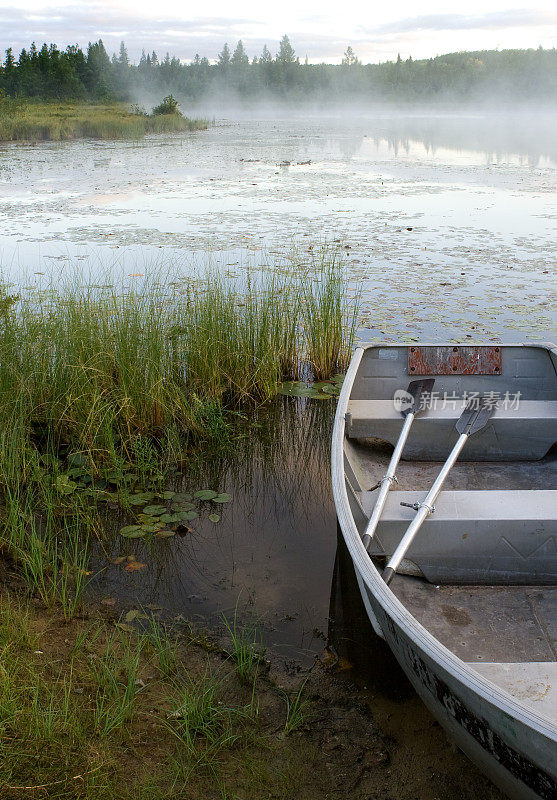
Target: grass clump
x,y
105,393
35,121
87,714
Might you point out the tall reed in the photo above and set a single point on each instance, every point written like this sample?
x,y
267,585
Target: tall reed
x,y
115,381
36,121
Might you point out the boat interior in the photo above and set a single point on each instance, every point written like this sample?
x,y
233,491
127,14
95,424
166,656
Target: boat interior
x,y
481,574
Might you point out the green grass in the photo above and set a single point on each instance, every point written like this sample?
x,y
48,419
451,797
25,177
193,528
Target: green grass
x,y
86,713
113,378
102,392
36,121
246,649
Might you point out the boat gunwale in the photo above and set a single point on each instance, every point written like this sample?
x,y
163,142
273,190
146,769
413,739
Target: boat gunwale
x,y
489,691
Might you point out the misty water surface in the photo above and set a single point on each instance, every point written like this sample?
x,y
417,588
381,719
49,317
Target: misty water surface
x,y
450,222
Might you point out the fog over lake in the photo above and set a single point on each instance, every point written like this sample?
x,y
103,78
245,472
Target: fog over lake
x,y
448,221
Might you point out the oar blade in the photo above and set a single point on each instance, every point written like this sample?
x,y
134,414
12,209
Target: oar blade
x,y
418,390
476,415
487,407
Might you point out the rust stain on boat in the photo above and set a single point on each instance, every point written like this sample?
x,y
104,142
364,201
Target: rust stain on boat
x,y
454,360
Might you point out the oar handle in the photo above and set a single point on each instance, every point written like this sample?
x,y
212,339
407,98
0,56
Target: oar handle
x,y
425,509
388,479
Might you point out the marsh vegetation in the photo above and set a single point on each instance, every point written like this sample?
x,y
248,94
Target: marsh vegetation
x,y
105,395
24,120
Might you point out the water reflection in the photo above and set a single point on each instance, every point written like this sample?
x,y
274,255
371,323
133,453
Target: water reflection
x,y
352,638
271,554
517,138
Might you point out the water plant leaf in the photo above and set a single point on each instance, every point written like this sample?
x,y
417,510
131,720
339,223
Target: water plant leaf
x,y
182,497
165,533
131,615
223,497
149,527
138,500
326,388
168,495
166,518
294,389
205,494
65,485
183,506
125,627
134,566
132,532
154,511
147,519
187,516
214,517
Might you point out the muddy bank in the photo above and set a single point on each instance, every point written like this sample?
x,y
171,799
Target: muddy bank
x,y
351,739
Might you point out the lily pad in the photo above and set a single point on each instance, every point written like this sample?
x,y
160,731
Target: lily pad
x,y
134,566
167,518
214,517
152,528
205,494
187,516
168,495
138,500
154,511
183,506
132,532
224,497
294,389
165,533
182,497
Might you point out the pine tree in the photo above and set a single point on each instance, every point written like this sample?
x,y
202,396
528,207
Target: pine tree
x,y
240,57
350,59
224,56
286,53
266,56
123,56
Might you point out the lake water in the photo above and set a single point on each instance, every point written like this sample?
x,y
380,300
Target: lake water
x,y
448,222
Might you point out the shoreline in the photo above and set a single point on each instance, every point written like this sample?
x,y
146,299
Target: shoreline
x,y
31,121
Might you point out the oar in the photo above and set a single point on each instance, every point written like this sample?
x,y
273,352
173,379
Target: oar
x,y
474,417
415,390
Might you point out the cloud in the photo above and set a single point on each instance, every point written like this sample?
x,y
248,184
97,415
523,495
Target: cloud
x,y
316,35
80,24
517,18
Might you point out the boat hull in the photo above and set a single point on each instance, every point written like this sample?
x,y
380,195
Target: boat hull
x,y
510,742
481,730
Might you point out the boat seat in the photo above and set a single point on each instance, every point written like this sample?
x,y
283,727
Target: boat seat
x,y
483,536
531,682
526,432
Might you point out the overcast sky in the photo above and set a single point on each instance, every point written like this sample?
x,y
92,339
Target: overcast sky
x,y
320,29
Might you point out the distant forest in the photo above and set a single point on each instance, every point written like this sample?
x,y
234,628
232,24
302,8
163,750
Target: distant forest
x,y
71,74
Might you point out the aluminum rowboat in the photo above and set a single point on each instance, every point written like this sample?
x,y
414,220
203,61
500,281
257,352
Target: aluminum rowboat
x,y
471,615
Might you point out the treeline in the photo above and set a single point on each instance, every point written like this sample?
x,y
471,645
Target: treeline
x,y
92,75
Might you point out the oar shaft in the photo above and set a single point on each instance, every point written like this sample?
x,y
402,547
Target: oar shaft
x,y
424,511
387,481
